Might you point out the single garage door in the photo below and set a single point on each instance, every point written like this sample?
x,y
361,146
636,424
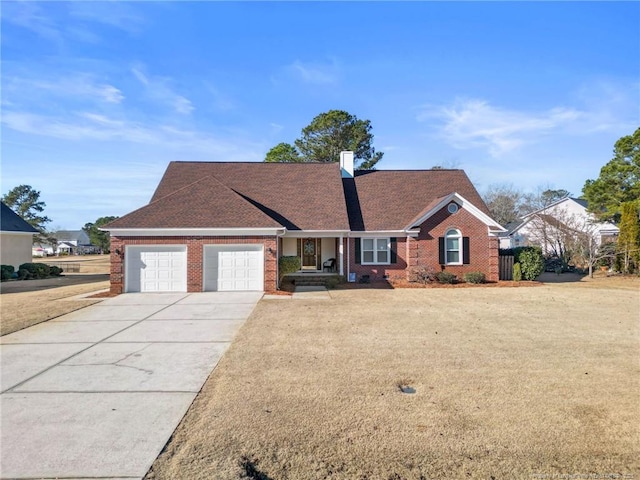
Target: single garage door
x,y
233,268
156,269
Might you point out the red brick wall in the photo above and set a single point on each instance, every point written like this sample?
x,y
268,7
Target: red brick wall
x,y
378,272
423,250
195,247
483,249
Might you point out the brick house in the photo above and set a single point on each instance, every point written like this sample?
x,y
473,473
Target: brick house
x,y
223,226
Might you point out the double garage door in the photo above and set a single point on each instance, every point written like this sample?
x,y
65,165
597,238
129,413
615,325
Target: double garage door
x,y
164,268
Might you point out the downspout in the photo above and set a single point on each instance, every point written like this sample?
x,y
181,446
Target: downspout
x,y
278,237
348,256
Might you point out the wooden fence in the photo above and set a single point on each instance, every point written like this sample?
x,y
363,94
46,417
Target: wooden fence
x,y
506,267
67,267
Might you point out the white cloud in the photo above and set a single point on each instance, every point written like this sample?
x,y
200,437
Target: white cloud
x,y
120,15
158,89
90,126
72,86
315,73
31,16
276,127
111,94
598,107
64,22
475,123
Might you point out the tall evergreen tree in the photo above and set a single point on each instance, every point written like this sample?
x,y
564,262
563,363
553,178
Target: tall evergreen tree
x,y
326,136
619,180
629,237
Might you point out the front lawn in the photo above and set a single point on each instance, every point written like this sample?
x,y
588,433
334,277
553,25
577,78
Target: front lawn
x,y
509,383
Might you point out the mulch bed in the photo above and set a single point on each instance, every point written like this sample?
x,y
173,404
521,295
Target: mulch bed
x,y
406,284
103,295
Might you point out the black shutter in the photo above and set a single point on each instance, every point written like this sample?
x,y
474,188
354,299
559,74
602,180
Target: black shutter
x,y
394,247
358,258
299,248
465,250
441,250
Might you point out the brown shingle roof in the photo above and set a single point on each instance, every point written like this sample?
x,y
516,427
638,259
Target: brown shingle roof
x,y
206,203
245,195
308,196
391,199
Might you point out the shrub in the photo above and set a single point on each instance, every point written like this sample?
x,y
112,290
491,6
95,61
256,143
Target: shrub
x,y
555,264
287,265
531,262
333,282
23,274
423,275
446,277
475,277
517,272
36,270
7,271
55,271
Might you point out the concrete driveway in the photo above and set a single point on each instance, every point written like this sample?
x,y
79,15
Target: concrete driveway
x,y
98,392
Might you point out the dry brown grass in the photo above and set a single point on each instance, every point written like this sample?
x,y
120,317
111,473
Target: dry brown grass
x,y
88,263
510,383
24,309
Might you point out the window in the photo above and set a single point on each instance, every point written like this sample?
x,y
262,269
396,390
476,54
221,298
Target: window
x,y
376,251
452,241
452,207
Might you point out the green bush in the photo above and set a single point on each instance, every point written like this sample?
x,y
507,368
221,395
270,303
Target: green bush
x,y
7,271
36,270
531,262
517,272
23,274
475,277
446,277
55,271
287,265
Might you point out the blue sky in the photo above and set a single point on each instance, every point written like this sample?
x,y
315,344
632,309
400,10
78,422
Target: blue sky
x,y
97,97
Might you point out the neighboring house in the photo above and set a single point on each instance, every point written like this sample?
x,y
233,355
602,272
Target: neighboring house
x,y
74,242
560,220
16,238
223,226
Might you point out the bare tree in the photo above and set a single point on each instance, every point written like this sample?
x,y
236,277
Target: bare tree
x,y
504,202
574,239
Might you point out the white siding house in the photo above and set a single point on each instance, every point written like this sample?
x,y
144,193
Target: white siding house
x,y
566,215
16,238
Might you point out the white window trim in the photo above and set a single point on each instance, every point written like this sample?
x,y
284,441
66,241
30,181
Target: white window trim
x,y
460,249
375,242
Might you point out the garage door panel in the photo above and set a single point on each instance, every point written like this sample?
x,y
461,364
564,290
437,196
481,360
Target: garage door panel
x,y
234,268
157,269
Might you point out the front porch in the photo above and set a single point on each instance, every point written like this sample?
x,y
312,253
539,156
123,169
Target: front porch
x,y
318,255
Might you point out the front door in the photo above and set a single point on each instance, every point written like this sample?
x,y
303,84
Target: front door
x,y
309,253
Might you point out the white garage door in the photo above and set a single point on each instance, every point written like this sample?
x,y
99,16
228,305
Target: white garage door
x,y
233,268
156,269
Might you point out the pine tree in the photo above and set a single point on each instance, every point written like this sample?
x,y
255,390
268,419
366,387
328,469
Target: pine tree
x,y
629,237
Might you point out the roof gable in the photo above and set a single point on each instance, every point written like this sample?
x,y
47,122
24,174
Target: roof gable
x,y
72,235
204,203
392,199
10,221
438,204
304,196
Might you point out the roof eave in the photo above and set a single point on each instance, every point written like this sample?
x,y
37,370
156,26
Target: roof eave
x,y
205,232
